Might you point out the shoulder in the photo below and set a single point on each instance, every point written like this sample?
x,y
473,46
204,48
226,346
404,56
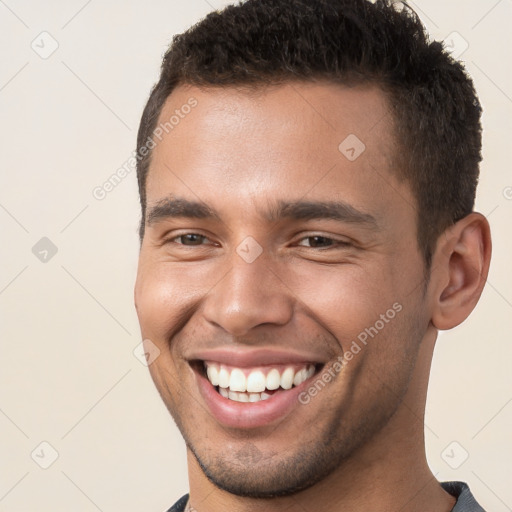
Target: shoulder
x,y
179,506
465,499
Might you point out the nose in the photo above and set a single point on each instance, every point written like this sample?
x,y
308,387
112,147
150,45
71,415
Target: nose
x,y
247,296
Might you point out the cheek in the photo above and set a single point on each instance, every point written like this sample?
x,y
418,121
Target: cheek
x,y
166,295
346,300
158,303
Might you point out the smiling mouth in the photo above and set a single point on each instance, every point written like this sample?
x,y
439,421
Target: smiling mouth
x,y
255,384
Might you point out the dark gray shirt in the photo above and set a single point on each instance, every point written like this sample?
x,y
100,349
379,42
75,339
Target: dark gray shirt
x,y
465,500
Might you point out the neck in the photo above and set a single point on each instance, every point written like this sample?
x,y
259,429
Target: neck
x,y
389,473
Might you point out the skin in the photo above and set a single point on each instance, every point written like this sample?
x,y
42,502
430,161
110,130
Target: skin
x,y
359,444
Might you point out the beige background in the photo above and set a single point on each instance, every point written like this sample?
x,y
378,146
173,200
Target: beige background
x,y
68,375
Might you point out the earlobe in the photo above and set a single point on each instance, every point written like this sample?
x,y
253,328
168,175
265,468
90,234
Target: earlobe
x,y
461,263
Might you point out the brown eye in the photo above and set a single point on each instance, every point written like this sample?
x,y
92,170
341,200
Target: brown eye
x,y
190,239
322,242
318,241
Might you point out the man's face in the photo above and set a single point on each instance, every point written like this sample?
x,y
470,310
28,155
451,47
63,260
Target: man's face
x,y
274,240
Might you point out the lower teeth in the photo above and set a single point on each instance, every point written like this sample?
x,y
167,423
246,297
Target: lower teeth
x,y
244,396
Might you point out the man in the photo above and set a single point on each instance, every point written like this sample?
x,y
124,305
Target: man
x,y
307,174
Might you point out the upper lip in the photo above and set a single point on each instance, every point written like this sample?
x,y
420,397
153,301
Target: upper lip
x,y
254,357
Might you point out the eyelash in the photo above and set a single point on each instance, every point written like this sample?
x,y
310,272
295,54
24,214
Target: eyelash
x,y
173,239
334,243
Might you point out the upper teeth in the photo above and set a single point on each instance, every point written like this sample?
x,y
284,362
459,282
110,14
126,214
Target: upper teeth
x,y
256,381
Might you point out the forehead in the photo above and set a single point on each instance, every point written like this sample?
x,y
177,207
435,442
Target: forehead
x,y
296,140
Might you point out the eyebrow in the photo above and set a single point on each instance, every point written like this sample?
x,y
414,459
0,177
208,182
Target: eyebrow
x,y
175,207
312,210
171,207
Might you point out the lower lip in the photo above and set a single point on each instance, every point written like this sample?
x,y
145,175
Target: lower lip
x,y
249,414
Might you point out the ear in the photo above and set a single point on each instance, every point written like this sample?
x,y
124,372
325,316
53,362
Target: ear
x,y
460,266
